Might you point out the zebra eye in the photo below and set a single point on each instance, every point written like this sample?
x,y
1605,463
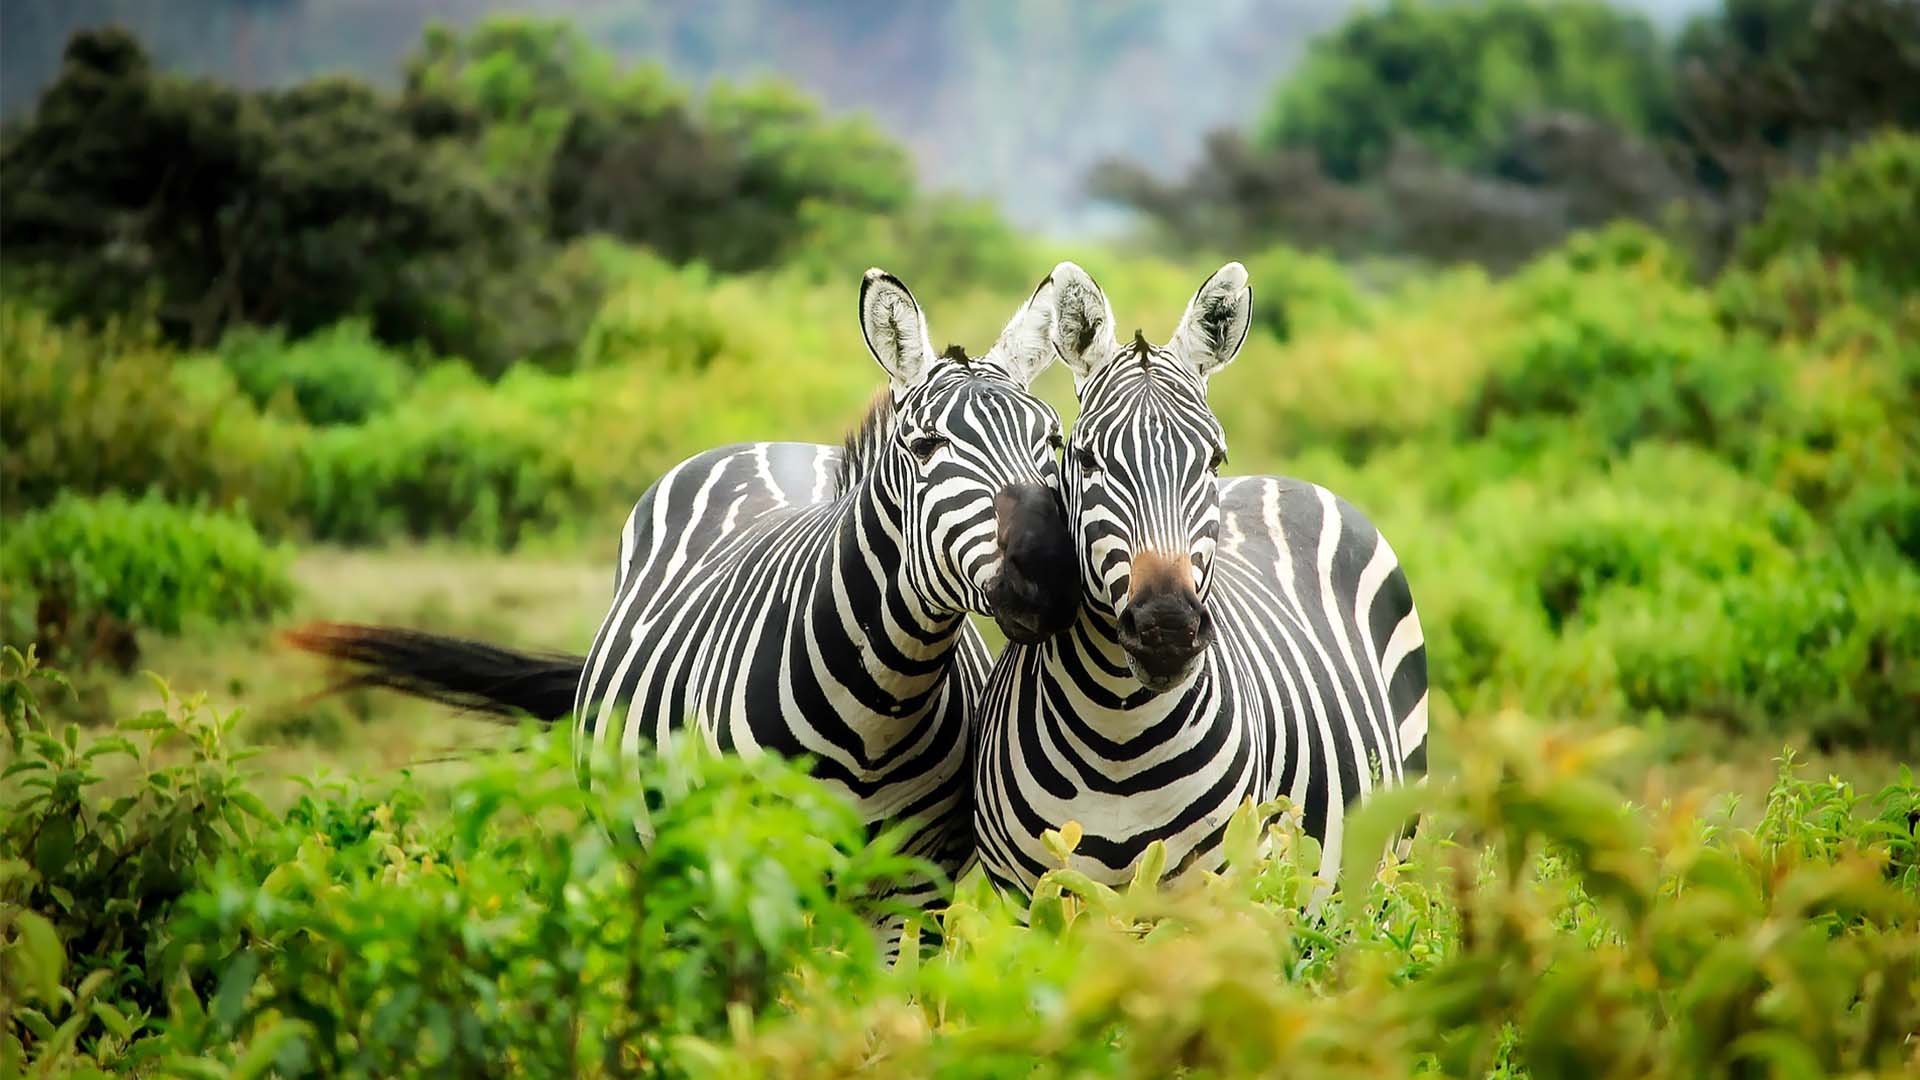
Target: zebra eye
x,y
1219,459
1088,463
924,446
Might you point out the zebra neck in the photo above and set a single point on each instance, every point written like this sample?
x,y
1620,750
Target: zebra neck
x,y
893,647
1090,668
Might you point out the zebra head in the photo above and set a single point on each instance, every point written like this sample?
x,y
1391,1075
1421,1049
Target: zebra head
x,y
1142,463
971,461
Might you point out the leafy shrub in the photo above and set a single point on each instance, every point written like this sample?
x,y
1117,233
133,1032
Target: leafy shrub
x,y
1301,291
664,316
94,867
942,245
1458,76
1541,928
339,375
1862,209
147,564
488,464
1626,353
1538,922
88,412
516,928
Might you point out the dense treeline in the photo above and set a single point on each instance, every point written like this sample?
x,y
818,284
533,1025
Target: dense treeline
x,y
442,213
1486,131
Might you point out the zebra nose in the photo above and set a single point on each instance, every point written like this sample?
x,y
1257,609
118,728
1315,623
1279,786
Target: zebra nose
x,y
1166,620
1036,592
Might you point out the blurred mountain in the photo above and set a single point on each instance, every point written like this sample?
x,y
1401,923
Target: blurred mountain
x,y
1012,99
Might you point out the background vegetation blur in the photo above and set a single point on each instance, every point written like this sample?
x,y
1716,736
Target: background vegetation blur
x,y
1614,329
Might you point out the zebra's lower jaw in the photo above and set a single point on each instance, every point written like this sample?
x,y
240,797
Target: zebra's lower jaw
x,y
1162,679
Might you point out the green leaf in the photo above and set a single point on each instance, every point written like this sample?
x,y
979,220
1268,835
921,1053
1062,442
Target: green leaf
x,y
1369,830
42,960
230,1000
115,1020
1148,871
264,1048
194,1068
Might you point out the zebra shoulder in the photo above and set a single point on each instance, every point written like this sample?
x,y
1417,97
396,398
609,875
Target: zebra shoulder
x,y
718,491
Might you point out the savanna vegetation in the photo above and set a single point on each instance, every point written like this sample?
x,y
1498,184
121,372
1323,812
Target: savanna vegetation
x,y
409,356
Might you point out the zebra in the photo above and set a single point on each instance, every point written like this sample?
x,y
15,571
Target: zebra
x,y
1238,637
812,600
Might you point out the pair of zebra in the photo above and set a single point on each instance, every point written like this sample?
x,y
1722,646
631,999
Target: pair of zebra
x,y
1179,641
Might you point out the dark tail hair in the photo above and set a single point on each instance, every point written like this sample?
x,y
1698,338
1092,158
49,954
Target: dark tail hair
x,y
453,671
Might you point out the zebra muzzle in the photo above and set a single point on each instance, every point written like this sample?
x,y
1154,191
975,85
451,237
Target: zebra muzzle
x,y
1036,593
1164,628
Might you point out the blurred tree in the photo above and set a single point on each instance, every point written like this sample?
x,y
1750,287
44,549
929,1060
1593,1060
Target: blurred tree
x,y
221,206
1239,192
592,147
1456,77
1767,87
646,173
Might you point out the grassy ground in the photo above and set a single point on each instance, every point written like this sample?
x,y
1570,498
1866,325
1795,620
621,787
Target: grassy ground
x,y
555,601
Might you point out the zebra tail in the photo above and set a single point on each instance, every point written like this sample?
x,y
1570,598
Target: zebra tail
x,y
453,671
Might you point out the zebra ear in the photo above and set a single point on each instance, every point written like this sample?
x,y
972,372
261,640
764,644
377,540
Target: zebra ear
x,y
1025,347
1216,322
1082,329
895,330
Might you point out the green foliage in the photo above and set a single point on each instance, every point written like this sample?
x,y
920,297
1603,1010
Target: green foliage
x,y
1540,928
397,941
226,205
1767,87
93,564
337,376
1456,76
97,857
942,244
440,216
459,459
1619,344
1304,292
87,413
1539,924
1861,211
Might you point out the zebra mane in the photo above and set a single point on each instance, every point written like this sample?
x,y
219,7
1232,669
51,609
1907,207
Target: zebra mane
x,y
858,449
863,443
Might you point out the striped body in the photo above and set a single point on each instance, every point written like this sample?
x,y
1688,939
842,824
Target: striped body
x,y
812,600
1315,690
1242,638
763,612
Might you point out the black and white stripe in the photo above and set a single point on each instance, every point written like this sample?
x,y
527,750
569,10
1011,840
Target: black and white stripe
x,y
1239,637
811,600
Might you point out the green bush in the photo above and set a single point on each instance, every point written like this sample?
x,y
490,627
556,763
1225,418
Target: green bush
x,y
93,868
663,316
86,413
1862,209
941,245
458,458
1539,924
1457,77
339,375
1299,291
1624,352
147,564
